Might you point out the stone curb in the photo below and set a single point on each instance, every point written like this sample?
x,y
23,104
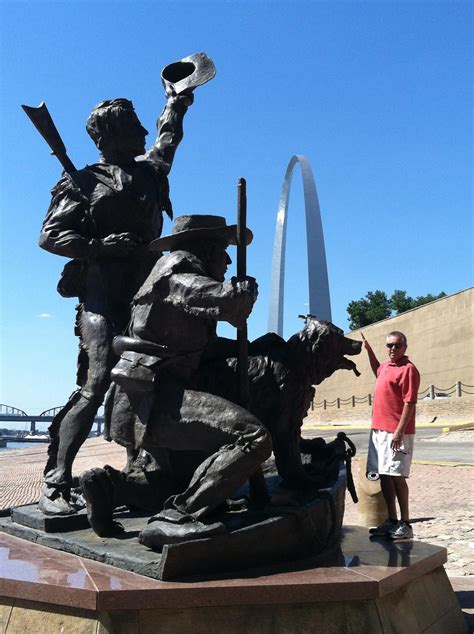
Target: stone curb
x,y
439,463
458,427
342,426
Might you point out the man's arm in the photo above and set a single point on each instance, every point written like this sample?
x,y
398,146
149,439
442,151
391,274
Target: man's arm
x,y
374,362
409,384
170,130
397,438
64,231
230,301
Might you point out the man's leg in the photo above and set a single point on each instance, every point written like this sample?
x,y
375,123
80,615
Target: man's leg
x,y
403,529
401,490
238,444
105,489
377,463
95,362
378,459
219,477
234,440
388,492
401,468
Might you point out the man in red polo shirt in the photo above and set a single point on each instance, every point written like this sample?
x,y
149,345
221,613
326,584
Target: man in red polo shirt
x,y
393,431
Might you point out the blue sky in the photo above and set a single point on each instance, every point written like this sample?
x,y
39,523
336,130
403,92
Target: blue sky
x,y
377,96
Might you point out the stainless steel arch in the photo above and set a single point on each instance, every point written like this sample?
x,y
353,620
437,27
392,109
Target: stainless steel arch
x,y
318,286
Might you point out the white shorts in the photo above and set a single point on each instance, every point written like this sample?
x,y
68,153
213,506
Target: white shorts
x,y
383,459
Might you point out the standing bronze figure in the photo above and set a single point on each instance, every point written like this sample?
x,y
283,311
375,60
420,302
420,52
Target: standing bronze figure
x,y
103,217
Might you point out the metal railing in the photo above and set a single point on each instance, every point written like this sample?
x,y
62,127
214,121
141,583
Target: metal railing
x,y
430,393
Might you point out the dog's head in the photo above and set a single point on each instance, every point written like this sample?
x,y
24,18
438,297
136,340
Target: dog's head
x,y
327,346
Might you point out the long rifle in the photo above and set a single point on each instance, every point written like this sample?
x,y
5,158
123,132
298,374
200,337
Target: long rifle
x,y
257,484
44,123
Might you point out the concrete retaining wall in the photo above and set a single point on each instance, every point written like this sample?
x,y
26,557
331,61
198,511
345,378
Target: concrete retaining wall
x,y
440,343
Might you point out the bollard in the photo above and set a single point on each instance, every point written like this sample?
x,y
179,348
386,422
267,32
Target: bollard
x,y
458,388
432,391
372,509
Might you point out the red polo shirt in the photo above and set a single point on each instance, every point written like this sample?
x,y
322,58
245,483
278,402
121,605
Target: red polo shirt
x,y
396,384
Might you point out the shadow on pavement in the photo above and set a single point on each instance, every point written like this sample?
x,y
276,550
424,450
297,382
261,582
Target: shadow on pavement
x,y
466,601
421,519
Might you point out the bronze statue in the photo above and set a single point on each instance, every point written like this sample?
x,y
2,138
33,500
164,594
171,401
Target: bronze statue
x,y
156,403
198,415
282,375
103,217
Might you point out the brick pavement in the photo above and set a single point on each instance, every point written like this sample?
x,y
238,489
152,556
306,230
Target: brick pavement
x,y
442,511
21,470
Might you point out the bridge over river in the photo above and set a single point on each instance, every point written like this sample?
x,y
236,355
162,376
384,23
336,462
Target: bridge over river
x,y
9,414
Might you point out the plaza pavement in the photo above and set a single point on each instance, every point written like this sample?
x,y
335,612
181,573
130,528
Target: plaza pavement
x,y
442,500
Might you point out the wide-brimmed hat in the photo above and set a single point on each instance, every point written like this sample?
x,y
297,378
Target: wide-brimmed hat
x,y
188,73
199,227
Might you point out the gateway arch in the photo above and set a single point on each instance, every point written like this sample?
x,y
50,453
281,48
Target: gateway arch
x,y
318,286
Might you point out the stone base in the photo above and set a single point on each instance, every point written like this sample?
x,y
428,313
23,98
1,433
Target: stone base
x,y
426,605
253,538
371,586
30,516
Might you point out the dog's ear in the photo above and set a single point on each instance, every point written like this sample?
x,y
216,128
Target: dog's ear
x,y
315,329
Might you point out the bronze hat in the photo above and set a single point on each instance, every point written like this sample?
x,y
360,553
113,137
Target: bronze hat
x,y
199,227
188,73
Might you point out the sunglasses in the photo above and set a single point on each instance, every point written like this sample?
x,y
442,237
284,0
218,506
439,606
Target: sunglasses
x,y
397,346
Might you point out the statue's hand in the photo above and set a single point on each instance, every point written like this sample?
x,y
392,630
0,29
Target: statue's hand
x,y
186,98
249,287
119,244
246,292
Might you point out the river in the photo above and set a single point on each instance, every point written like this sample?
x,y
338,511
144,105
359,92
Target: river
x,y
20,445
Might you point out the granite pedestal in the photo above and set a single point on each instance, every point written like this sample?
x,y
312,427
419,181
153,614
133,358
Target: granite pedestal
x,y
367,586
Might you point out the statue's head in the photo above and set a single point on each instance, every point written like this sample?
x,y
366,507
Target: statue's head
x,y
205,236
327,347
116,130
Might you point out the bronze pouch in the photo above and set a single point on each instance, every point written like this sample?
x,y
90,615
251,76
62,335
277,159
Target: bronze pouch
x,y
135,372
72,280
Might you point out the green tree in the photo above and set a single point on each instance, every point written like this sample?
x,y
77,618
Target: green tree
x,y
400,302
425,299
375,306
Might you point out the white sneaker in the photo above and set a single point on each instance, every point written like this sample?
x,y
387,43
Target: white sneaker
x,y
402,530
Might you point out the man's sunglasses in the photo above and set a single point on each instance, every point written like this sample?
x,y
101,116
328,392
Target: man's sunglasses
x,y
397,346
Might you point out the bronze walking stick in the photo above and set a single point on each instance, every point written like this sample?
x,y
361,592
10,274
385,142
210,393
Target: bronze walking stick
x,y
257,484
